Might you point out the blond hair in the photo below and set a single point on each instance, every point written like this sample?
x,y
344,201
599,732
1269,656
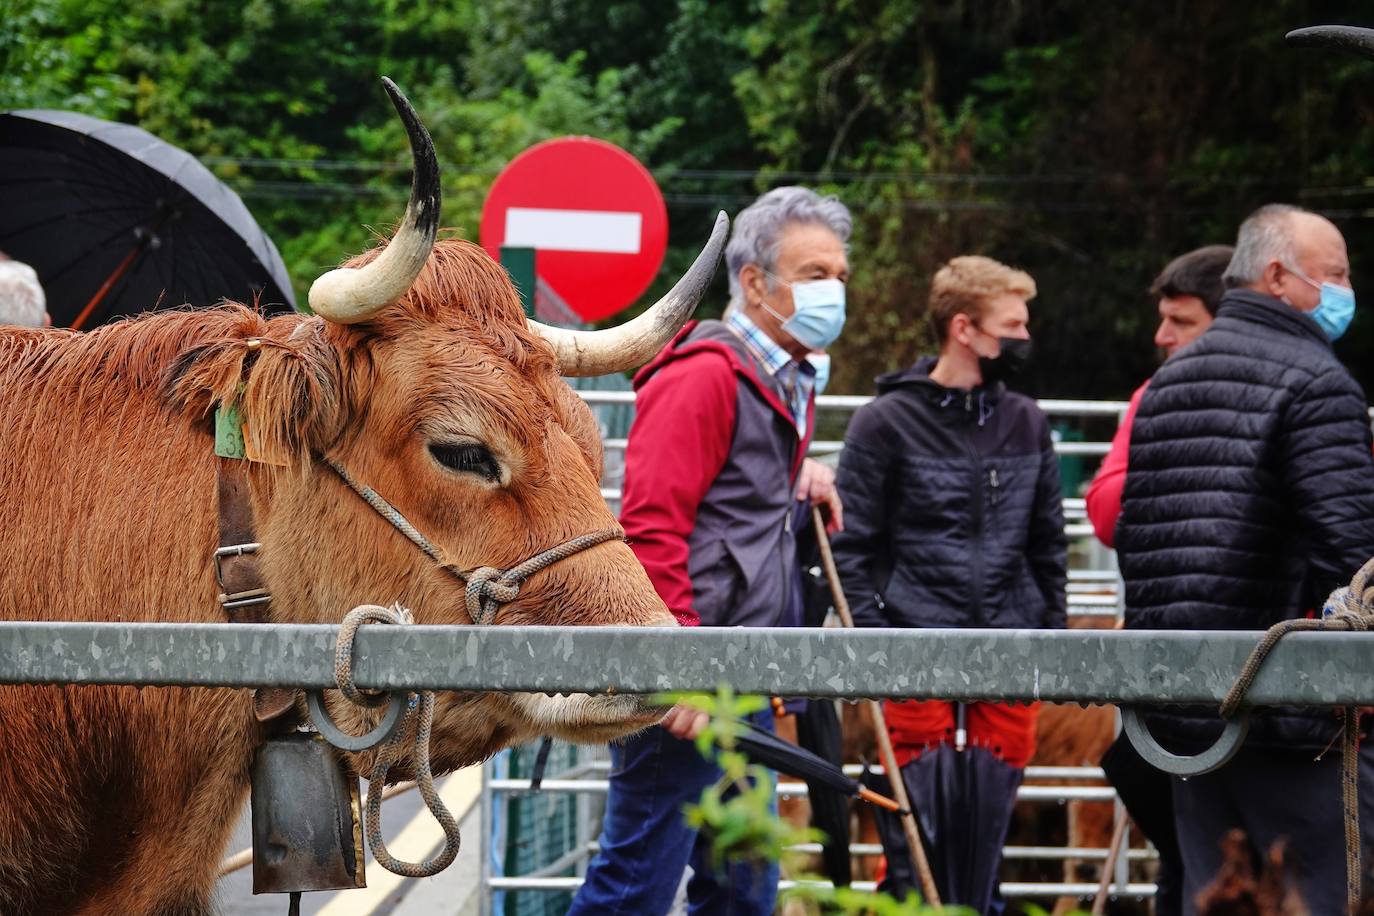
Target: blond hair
x,y
965,285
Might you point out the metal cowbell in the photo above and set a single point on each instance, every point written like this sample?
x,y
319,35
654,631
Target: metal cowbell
x,y
307,818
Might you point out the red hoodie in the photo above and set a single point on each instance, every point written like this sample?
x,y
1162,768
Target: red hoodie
x,y
1104,493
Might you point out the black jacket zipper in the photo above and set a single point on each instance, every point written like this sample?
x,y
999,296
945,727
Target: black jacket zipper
x,y
976,561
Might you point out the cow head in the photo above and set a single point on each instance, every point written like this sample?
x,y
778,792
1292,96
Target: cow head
x,y
421,376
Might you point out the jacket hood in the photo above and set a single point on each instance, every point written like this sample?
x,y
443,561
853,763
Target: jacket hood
x,y
917,377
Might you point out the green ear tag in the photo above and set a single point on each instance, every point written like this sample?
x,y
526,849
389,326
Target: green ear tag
x,y
229,432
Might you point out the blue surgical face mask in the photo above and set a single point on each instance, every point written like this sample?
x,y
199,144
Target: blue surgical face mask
x,y
1334,310
821,363
818,317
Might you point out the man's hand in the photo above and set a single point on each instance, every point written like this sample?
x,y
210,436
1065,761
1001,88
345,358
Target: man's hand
x,y
685,722
816,485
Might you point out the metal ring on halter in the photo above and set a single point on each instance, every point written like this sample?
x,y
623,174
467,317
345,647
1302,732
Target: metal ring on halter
x,y
1133,723
391,720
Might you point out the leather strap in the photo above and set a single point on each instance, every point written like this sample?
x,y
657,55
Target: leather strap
x,y
242,591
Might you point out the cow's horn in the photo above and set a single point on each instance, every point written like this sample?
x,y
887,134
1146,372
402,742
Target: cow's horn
x,y
634,343
1341,37
349,295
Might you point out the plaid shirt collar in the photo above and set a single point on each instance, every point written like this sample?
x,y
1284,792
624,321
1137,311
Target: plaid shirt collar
x,y
798,378
764,348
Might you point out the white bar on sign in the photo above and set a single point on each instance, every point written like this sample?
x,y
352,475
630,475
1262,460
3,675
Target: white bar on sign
x,y
606,231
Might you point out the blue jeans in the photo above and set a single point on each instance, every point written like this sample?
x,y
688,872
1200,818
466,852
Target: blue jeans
x,y
646,843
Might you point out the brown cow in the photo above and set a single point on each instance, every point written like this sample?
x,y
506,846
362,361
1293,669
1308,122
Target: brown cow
x,y
420,376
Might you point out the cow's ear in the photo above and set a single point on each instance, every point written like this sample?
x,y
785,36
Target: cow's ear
x,y
286,390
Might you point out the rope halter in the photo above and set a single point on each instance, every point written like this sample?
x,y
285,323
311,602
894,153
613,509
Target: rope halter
x,y
487,588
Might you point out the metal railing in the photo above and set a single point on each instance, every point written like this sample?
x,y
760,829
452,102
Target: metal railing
x,y
1131,667
1093,592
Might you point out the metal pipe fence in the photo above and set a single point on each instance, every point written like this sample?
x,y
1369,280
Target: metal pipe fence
x,y
1101,599
1131,667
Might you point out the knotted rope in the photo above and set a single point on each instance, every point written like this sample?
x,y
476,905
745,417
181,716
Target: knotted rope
x,y
387,755
1350,608
488,587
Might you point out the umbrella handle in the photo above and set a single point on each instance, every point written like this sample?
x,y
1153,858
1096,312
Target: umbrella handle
x,y
882,801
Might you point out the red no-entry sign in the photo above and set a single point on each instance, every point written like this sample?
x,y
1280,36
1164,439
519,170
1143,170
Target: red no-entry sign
x,y
594,214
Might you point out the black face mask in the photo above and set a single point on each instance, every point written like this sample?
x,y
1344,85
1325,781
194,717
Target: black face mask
x,y
1011,358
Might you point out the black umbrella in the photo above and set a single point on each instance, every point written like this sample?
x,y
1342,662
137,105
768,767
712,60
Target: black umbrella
x,y
818,731
767,749
116,221
963,799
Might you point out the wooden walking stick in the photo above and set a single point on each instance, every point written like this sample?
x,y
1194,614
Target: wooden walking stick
x,y
875,709
1109,867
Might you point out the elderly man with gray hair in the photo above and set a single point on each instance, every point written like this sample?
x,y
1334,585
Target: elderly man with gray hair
x,y
715,478
21,295
1249,496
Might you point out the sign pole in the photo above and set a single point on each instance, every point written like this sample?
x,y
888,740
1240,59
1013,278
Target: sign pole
x,y
519,263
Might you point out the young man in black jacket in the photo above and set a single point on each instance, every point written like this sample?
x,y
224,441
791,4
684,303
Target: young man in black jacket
x,y
954,518
1249,497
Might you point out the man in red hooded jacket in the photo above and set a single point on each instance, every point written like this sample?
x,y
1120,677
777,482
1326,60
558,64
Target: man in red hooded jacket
x,y
714,470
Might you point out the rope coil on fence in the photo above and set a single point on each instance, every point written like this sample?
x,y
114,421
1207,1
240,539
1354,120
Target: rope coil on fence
x,y
421,704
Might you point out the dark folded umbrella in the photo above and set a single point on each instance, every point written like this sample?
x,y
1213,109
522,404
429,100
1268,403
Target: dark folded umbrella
x,y
818,731
767,749
963,800
116,221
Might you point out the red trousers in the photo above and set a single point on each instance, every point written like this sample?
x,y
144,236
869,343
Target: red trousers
x,y
1007,731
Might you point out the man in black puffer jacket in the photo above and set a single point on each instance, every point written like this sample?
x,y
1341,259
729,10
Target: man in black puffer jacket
x,y
954,518
1249,497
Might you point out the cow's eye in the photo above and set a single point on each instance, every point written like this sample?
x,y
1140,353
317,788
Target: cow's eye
x,y
469,459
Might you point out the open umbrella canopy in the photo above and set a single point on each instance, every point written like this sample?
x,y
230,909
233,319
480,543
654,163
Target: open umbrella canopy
x,y
116,221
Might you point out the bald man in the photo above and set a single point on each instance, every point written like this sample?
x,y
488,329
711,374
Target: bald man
x,y
1249,497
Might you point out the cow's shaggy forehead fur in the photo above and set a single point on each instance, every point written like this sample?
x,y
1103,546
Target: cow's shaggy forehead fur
x,y
120,800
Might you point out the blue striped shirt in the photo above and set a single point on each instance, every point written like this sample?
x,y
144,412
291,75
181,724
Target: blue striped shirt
x,y
797,379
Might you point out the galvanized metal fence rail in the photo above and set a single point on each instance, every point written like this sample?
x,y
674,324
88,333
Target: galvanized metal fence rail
x,y
1133,667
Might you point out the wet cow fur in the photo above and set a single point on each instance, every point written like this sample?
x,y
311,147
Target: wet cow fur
x,y
121,800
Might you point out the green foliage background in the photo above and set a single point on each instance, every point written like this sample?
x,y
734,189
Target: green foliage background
x,y
1087,142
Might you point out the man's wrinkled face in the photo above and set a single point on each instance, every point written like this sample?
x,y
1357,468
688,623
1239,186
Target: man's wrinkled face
x,y
806,252
1181,320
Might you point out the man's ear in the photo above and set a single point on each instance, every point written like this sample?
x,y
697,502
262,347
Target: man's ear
x,y
1272,278
958,328
753,282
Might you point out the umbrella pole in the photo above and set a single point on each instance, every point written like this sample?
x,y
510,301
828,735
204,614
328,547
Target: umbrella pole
x,y
120,270
907,815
